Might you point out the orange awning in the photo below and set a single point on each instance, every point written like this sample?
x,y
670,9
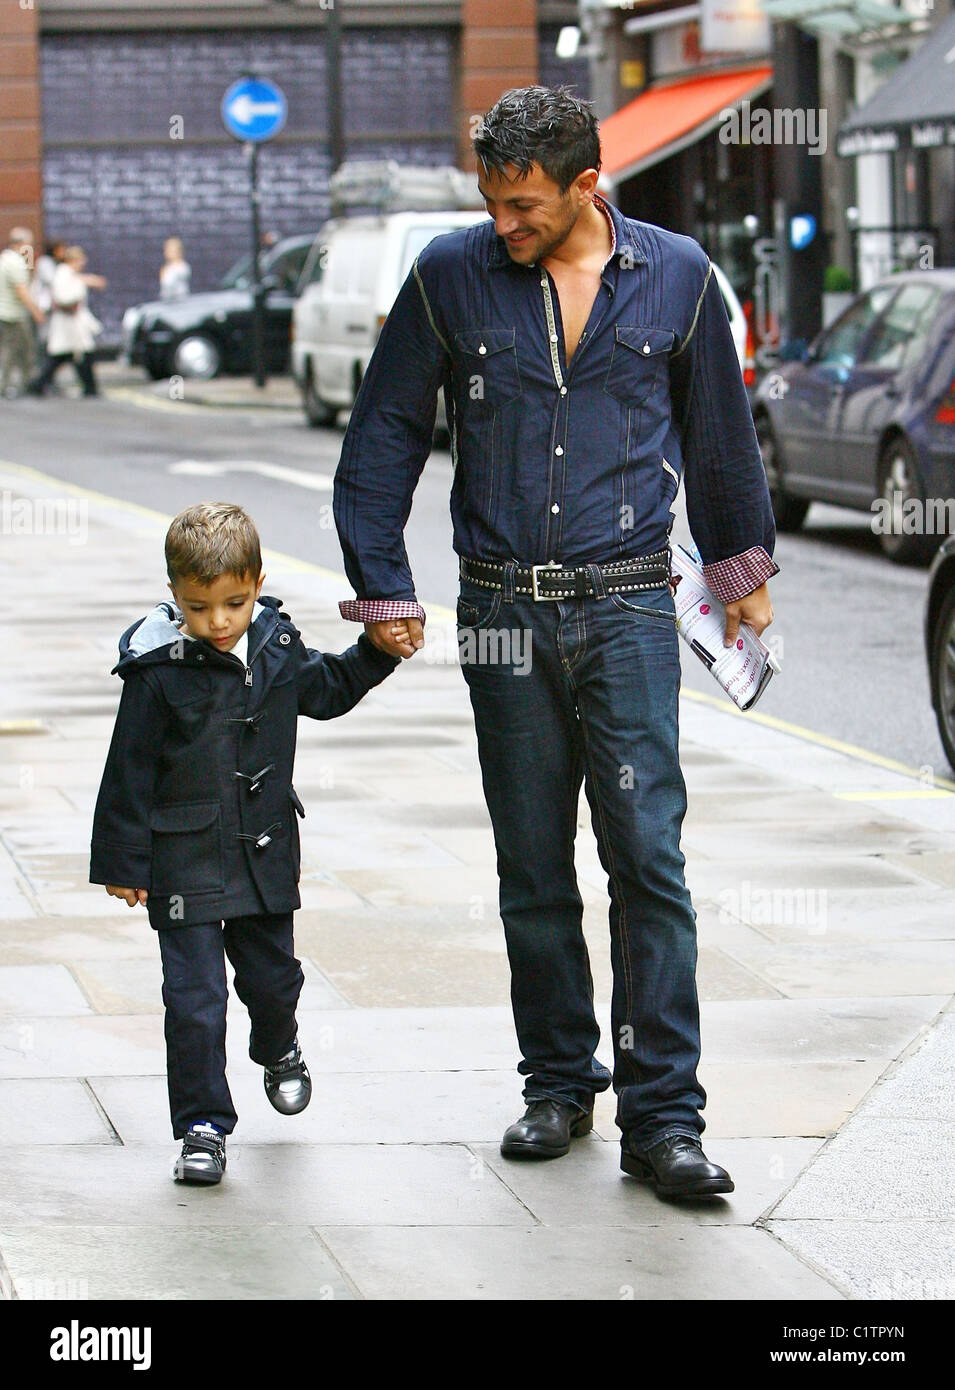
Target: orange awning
x,y
663,120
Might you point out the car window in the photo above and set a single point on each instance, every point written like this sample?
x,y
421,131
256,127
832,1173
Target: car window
x,y
237,278
337,270
900,337
840,346
315,263
287,267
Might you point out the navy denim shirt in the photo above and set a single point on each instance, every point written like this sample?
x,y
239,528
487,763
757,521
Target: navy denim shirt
x,y
575,463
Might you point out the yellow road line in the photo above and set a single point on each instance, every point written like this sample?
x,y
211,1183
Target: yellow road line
x,y
921,794
143,398
851,750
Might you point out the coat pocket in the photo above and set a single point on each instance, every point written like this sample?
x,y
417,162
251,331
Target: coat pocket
x,y
638,362
187,848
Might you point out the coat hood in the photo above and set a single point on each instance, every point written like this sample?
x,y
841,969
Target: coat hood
x,y
156,638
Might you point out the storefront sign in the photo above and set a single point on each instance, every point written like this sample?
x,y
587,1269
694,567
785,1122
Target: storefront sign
x,y
734,26
917,135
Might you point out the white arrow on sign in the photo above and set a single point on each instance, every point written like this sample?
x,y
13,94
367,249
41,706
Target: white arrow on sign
x,y
244,110
317,482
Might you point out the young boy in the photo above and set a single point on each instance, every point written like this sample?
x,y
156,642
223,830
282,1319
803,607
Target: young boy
x,y
197,815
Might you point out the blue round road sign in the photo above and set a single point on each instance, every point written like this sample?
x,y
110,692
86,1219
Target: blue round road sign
x,y
254,109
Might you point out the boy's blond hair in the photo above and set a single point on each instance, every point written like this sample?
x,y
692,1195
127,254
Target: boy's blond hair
x,y
211,539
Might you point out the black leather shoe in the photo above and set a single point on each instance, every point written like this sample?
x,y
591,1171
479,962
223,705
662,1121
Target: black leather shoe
x,y
546,1129
677,1167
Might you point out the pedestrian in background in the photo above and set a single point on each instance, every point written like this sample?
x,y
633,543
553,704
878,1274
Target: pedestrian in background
x,y
42,291
19,311
44,271
175,273
73,329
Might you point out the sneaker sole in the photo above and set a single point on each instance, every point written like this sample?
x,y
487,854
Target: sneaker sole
x,y
703,1187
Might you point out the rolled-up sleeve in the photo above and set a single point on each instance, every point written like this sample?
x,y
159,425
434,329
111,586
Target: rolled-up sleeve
x,y
728,504
387,443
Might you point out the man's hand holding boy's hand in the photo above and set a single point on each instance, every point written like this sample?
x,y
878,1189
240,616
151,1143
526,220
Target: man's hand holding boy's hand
x,y
133,896
397,636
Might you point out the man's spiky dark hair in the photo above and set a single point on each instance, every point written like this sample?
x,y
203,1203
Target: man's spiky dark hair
x,y
547,126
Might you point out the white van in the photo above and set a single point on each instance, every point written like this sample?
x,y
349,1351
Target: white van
x,y
356,271
349,284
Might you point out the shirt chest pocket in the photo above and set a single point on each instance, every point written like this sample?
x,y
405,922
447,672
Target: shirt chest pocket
x,y
638,362
486,359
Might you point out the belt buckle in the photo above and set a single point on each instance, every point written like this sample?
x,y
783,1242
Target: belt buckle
x,y
538,596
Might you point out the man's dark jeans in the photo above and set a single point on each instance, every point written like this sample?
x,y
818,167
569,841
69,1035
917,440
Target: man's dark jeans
x,y
599,704
268,980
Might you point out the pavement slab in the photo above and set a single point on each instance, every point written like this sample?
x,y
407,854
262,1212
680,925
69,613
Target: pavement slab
x,y
160,1261
590,1181
899,1259
654,1262
798,1098
45,1112
266,1183
875,1205
389,1108
51,987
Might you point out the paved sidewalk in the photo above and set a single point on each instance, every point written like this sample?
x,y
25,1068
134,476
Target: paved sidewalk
x,y
122,382
826,965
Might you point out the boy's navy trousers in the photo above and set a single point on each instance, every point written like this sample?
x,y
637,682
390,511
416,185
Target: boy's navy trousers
x,y
268,980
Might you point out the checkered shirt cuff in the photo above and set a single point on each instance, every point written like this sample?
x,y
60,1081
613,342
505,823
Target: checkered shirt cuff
x,y
379,610
738,576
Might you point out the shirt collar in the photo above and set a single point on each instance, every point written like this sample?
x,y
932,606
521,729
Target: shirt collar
x,y
624,244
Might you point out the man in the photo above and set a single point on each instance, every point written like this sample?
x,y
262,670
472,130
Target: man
x,y
585,358
17,307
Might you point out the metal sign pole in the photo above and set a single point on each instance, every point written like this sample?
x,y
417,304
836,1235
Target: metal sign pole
x,y
254,109
258,300
336,139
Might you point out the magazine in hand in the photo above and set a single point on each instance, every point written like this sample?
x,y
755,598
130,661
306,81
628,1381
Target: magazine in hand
x,y
743,670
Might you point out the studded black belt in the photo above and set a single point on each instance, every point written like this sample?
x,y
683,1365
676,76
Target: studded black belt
x,y
553,581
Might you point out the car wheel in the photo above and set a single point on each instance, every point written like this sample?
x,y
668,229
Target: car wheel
x,y
943,675
197,357
156,370
790,512
319,412
899,484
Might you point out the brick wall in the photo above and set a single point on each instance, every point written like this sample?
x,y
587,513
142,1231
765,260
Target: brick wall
x,y
118,183
20,138
498,51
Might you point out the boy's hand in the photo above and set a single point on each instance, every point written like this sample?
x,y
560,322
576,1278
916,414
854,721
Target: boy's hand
x,y
397,636
133,896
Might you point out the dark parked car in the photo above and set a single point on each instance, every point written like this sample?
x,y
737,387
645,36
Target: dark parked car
x,y
940,643
204,334
866,417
